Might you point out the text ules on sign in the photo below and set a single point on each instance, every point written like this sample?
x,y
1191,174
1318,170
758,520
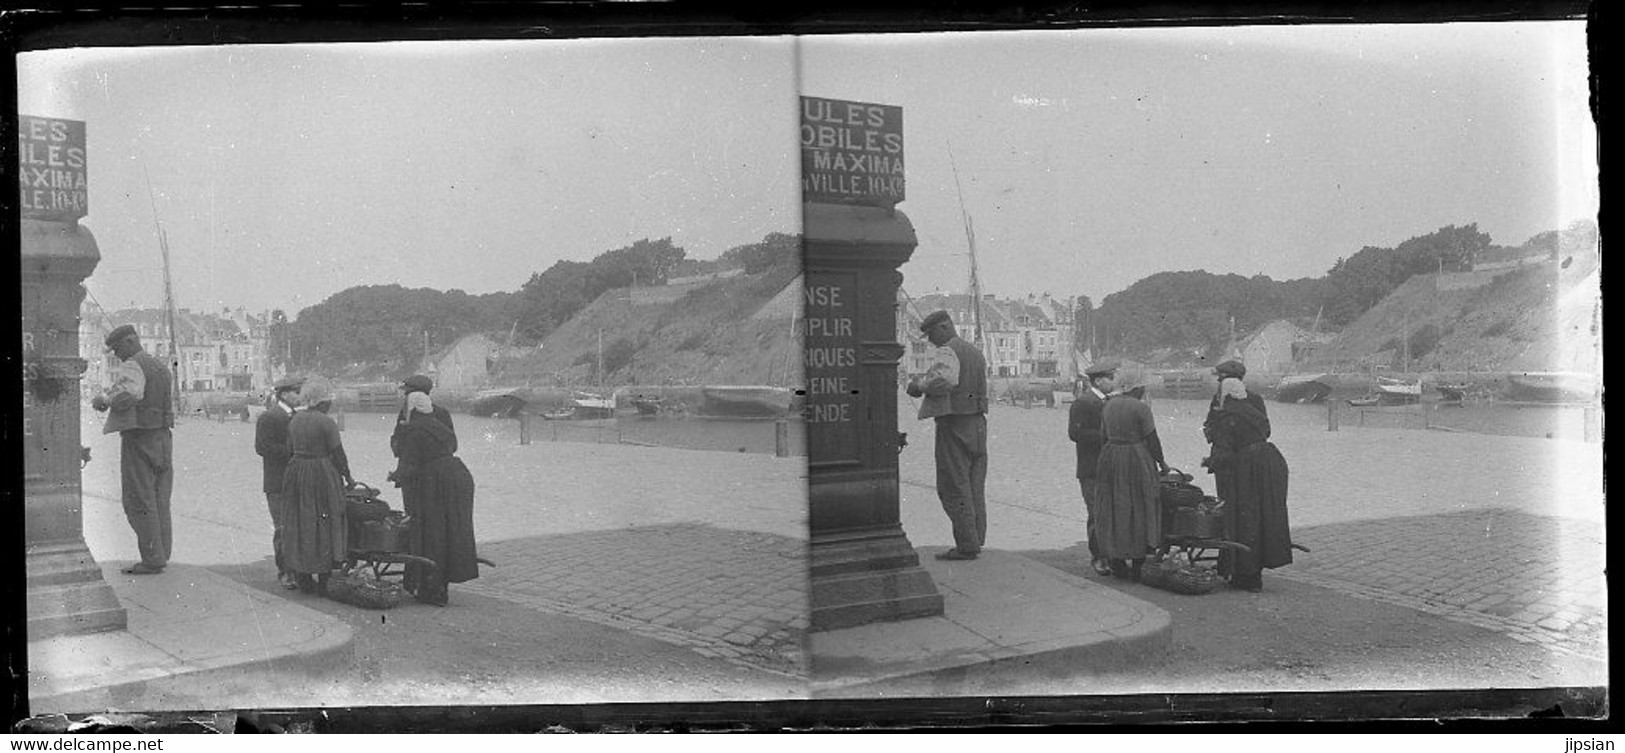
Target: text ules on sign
x,y
831,364
851,152
51,178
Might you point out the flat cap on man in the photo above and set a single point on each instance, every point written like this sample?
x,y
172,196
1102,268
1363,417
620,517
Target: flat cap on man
x,y
1101,368
288,383
933,319
417,383
119,333
1230,369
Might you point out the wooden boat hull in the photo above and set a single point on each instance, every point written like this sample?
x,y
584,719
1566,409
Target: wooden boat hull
x,y
745,402
1303,390
1551,388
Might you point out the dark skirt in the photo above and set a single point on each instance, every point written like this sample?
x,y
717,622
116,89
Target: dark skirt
x,y
313,520
1130,520
1254,493
440,499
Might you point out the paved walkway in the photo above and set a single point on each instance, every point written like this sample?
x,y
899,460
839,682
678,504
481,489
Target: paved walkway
x,y
1003,614
187,621
700,550
1501,532
734,595
1536,579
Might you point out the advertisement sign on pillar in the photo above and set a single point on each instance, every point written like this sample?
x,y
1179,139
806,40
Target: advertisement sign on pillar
x,y
862,567
51,170
830,361
851,152
66,593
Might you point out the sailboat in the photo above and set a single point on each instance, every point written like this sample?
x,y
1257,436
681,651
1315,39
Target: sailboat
x,y
176,398
1308,387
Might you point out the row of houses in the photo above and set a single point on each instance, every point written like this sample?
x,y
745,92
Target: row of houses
x,y
227,351
1021,337
224,351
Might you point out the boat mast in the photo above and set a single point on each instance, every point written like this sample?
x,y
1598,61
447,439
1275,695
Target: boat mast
x,y
169,298
970,242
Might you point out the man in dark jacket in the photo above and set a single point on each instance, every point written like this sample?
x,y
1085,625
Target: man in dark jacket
x,y
140,409
955,392
271,443
1083,427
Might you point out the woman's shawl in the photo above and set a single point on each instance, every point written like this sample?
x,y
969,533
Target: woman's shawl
x,y
433,429
1249,415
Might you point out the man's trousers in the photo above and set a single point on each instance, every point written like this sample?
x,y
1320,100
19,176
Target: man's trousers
x,y
962,477
149,476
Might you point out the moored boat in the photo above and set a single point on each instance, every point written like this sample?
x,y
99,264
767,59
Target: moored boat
x,y
1452,393
1303,388
1552,387
505,402
745,401
1390,391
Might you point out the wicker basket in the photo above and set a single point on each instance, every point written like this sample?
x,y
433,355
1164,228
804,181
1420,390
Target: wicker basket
x,y
1180,495
358,589
1175,573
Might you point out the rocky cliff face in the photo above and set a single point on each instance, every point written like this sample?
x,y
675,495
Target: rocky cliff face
x,y
1543,316
712,334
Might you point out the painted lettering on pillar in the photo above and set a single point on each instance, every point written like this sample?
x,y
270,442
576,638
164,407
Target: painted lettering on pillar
x,y
33,453
51,171
831,366
851,152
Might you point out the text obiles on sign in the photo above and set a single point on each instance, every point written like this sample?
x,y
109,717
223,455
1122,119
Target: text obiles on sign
x,y
51,182
851,152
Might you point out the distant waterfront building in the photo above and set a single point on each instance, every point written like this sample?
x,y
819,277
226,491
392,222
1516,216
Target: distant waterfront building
x,y
1276,346
218,352
1029,337
465,363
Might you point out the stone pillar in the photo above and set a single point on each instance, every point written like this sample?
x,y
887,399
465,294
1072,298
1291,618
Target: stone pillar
x,y
66,592
862,567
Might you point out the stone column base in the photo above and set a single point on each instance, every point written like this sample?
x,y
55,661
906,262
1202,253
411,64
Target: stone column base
x,y
66,593
868,576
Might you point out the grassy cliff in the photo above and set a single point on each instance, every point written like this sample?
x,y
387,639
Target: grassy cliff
x,y
1541,316
714,333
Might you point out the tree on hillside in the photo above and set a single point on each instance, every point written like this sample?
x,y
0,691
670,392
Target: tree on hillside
x,y
774,249
645,262
385,325
1192,310
548,299
1357,283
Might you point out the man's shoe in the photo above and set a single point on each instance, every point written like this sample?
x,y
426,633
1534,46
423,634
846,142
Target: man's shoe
x,y
955,554
1102,566
142,568
287,582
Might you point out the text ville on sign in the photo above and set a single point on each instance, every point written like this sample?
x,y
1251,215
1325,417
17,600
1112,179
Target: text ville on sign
x,y
851,152
51,173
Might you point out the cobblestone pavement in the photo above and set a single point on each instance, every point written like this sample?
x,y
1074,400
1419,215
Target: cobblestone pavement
x,y
1536,579
740,596
700,549
1501,532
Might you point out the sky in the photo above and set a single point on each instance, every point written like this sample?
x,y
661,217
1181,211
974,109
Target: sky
x,y
284,174
1089,160
1086,160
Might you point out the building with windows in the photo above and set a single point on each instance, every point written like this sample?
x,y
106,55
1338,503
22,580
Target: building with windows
x,y
217,352
1021,337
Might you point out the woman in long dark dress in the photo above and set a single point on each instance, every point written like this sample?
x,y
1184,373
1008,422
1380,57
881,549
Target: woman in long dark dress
x,y
1128,479
438,492
313,513
1251,476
